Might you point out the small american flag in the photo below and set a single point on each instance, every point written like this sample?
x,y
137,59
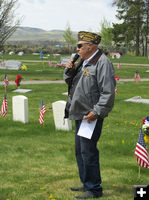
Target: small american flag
x,y
6,82
118,65
50,63
4,106
137,77
42,112
141,151
3,63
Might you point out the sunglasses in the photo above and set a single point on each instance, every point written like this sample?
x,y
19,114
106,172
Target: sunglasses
x,y
81,45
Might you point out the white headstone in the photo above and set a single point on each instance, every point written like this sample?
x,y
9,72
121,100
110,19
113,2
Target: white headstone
x,y
118,55
20,53
138,99
64,60
22,90
65,93
12,65
11,53
58,113
20,108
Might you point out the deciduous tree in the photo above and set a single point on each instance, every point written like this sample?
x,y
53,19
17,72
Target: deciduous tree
x,y
8,21
68,36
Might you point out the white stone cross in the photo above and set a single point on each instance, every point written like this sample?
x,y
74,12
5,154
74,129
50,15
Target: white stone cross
x,y
141,192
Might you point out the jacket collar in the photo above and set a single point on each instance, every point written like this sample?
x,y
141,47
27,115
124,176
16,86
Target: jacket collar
x,y
94,60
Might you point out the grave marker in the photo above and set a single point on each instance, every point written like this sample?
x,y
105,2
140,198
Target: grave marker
x,y
20,108
58,113
138,99
22,90
12,65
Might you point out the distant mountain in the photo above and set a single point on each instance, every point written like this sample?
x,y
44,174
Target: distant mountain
x,y
29,29
37,34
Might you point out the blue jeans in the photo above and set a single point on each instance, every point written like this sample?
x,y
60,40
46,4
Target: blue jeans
x,y
87,156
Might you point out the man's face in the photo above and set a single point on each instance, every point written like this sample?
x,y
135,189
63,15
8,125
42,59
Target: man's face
x,y
84,49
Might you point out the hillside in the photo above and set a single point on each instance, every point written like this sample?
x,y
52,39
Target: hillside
x,y
36,34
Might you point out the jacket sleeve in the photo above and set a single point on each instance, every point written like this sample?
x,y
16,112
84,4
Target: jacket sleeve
x,y
68,75
106,85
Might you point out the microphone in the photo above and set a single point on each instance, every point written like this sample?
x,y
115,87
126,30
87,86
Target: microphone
x,y
75,58
73,61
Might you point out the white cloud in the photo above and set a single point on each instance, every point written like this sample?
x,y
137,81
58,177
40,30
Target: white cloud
x,y
55,14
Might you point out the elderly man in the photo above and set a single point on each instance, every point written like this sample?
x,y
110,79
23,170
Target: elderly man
x,y
91,89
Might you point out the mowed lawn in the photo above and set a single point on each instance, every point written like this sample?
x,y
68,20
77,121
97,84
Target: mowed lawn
x,y
38,69
37,162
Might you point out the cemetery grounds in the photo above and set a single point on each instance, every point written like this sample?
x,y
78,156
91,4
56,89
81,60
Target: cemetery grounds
x,y
37,162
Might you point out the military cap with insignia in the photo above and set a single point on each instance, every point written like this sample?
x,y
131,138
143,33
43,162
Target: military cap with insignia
x,y
89,37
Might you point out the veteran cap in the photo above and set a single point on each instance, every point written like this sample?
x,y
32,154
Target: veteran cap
x,y
89,37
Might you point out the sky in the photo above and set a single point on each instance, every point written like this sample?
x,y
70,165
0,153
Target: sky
x,y
80,15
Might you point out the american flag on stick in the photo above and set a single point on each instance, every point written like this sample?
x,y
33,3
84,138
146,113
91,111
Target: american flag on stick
x,y
42,112
4,106
141,151
50,63
6,82
137,77
118,65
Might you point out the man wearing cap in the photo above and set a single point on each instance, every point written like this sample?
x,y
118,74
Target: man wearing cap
x,y
91,89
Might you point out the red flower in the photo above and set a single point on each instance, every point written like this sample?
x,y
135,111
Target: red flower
x,y
18,80
116,78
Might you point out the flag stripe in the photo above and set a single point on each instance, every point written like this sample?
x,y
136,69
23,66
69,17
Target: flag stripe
x,y
142,151
139,153
141,163
42,112
4,106
144,159
142,148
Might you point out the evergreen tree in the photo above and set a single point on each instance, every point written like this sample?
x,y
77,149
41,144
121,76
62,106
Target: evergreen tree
x,y
131,12
146,26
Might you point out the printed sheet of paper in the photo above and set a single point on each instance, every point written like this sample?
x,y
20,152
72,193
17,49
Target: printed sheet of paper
x,y
86,129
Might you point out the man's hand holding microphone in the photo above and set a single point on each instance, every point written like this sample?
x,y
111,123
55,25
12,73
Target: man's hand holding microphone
x,y
70,64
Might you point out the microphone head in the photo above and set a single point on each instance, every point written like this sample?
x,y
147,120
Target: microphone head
x,y
75,58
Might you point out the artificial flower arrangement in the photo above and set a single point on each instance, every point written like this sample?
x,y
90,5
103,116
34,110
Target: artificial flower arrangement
x,y
117,78
145,128
18,80
24,67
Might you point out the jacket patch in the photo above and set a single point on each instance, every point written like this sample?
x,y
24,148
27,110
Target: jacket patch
x,y
86,73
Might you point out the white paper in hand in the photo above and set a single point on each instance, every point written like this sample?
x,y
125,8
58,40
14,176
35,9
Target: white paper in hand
x,y
86,129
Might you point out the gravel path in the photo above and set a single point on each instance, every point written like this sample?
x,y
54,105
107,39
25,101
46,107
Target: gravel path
x,y
33,82
35,61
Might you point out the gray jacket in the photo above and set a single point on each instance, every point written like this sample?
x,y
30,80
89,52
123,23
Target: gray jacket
x,y
92,88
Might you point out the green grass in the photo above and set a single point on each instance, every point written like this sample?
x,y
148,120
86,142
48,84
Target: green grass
x,y
29,57
39,71
131,59
127,71
35,71
123,59
42,71
38,162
